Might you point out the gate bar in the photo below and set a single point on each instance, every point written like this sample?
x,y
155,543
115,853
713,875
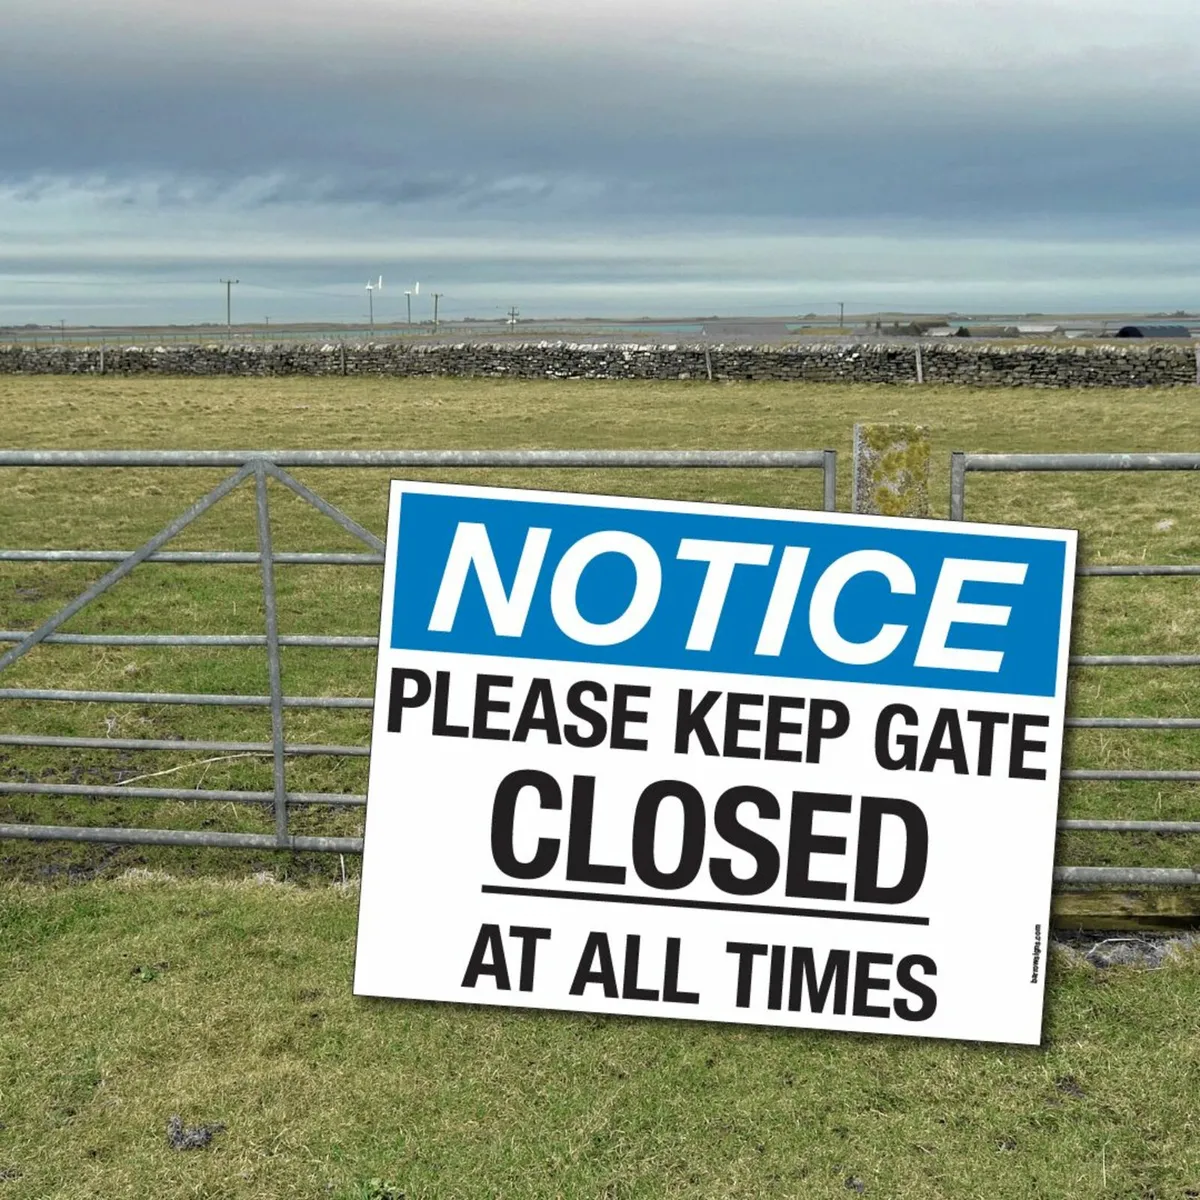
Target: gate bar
x,y
1083,462
415,458
307,558
184,698
1112,876
273,672
1130,876
364,642
223,795
341,559
324,641
105,743
181,837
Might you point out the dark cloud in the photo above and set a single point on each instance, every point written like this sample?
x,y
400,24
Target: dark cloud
x,y
283,130
395,150
446,133
358,187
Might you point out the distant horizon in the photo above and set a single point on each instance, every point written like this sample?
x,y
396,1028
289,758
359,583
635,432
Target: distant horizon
x,y
643,319
545,282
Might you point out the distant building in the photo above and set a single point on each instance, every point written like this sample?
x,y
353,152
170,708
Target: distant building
x,y
914,328
1154,331
987,331
1039,330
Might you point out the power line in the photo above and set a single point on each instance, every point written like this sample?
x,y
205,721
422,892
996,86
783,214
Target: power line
x,y
228,304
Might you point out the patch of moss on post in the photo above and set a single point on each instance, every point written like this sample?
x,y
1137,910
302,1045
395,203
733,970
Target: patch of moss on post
x,y
891,470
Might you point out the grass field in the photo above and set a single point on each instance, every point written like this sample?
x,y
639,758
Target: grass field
x,y
1123,518
127,999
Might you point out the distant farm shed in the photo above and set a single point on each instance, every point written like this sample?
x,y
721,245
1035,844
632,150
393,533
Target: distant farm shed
x,y
989,331
915,328
1154,331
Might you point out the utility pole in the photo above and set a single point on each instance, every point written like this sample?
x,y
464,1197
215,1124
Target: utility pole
x,y
513,314
841,314
436,296
228,303
371,306
268,327
408,305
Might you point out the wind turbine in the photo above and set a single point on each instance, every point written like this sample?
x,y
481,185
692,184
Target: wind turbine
x,y
416,291
372,288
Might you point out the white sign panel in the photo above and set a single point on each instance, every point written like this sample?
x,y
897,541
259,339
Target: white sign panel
x,y
715,762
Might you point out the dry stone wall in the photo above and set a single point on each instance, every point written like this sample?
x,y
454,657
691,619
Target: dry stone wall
x,y
940,362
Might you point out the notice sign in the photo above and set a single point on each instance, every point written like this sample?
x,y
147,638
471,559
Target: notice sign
x,y
713,762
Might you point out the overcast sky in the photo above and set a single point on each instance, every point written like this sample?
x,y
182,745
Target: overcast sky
x,y
574,158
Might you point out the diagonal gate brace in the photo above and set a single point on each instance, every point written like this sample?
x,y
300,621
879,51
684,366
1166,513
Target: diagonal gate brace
x,y
125,566
350,525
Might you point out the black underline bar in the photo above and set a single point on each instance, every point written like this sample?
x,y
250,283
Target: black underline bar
x,y
676,902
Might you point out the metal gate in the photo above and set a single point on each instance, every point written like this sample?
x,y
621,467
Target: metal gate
x,y
260,466
962,463
263,465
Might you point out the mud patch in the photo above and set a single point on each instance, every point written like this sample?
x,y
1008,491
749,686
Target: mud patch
x,y
194,1138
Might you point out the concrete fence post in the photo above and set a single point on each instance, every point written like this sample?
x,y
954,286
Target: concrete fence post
x,y
920,365
958,484
1198,366
891,470
101,358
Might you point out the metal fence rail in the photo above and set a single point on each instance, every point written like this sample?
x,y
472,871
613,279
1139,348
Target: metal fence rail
x,y
261,465
960,464
823,459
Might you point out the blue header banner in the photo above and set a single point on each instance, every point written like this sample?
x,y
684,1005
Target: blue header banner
x,y
717,588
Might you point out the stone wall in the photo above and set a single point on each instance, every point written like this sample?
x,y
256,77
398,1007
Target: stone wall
x,y
940,362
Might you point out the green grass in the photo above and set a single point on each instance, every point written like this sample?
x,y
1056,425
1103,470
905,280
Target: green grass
x,y
126,1001
1120,517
